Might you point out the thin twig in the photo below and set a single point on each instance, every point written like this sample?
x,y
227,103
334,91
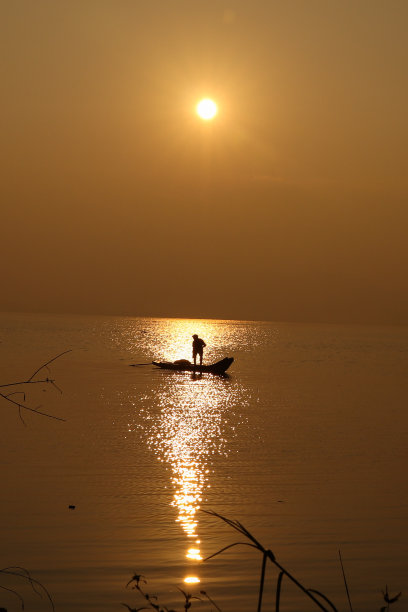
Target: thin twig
x,y
345,582
14,593
48,362
227,547
24,574
24,407
14,393
29,381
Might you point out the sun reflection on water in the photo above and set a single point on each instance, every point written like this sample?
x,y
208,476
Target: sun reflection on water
x,y
191,580
188,425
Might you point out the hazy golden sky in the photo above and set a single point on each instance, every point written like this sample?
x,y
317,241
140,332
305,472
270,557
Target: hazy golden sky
x,y
290,205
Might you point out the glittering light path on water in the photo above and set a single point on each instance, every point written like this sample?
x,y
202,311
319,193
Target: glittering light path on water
x,y
188,432
187,429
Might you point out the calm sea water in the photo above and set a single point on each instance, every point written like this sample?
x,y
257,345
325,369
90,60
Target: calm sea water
x,y
305,443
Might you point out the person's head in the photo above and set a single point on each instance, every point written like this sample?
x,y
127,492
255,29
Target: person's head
x,y
195,336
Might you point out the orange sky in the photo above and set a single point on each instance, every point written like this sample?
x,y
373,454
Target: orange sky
x,y
290,205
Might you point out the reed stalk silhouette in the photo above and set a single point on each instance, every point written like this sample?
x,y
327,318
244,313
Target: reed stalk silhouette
x,y
389,600
137,580
316,596
267,555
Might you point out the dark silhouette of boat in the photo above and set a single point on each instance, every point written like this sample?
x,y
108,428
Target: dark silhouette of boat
x,y
220,367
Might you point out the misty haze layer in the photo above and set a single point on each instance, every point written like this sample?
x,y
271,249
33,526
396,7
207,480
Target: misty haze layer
x,y
290,205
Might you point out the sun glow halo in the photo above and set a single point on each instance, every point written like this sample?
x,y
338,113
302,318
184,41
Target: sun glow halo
x,y
206,109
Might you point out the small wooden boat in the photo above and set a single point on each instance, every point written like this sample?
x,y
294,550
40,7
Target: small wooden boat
x,y
220,367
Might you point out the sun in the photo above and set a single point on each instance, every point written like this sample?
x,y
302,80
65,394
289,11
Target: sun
x,y
206,109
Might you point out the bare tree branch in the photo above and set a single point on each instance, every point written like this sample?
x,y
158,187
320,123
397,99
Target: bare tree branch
x,y
23,406
47,363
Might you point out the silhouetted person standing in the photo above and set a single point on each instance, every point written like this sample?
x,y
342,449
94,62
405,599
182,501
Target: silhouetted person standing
x,y
198,346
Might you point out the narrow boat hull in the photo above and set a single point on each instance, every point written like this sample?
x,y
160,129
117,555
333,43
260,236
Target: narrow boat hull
x,y
220,367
